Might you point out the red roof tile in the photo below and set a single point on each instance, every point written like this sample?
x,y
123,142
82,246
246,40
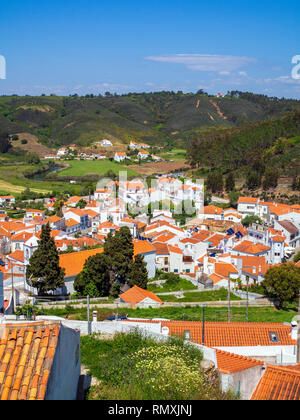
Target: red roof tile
x,y
279,383
26,355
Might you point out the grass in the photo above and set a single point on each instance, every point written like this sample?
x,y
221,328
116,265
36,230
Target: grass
x,y
100,167
182,284
134,367
205,296
187,313
175,154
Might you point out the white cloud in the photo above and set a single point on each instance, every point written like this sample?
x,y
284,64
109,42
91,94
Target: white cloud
x,y
224,73
206,62
242,73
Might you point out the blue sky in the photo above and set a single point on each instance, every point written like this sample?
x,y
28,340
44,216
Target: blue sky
x,y
93,46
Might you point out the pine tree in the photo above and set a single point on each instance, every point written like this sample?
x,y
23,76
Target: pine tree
x,y
138,275
43,271
230,182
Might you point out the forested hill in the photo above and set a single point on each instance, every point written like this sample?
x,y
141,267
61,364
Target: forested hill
x,y
273,144
156,118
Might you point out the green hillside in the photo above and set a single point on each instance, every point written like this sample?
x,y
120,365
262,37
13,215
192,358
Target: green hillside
x,y
157,118
273,144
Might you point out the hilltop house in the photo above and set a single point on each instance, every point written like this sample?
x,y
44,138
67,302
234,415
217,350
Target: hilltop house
x,y
119,156
106,143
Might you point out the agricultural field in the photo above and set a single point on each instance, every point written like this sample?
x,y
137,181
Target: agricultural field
x,y
100,167
13,181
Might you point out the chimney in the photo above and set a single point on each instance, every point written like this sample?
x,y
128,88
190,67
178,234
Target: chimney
x,y
294,331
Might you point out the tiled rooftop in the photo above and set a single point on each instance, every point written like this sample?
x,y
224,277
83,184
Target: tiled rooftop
x,y
26,355
223,334
279,383
230,363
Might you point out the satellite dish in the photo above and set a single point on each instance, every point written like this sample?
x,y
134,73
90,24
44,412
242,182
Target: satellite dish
x,y
165,330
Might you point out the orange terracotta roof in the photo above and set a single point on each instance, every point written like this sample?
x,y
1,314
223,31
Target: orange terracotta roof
x,y
279,383
278,238
212,210
26,355
175,249
215,278
23,236
137,294
71,223
17,255
165,237
250,261
249,247
230,363
73,262
91,213
225,269
223,334
250,200
53,219
161,248
142,247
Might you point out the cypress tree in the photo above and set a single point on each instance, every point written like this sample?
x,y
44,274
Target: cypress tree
x,y
138,274
43,271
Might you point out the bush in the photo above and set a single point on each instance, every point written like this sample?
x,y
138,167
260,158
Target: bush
x,y
132,366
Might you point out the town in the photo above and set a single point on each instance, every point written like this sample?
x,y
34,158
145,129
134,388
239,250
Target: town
x,y
214,249
149,204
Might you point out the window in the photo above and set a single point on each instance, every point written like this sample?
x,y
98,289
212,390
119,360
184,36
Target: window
x,y
273,337
175,270
187,334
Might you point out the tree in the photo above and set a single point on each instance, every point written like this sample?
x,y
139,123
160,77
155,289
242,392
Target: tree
x,y
43,271
215,182
233,198
120,250
81,204
297,257
282,283
58,204
4,142
248,220
253,180
271,178
94,279
32,158
138,275
230,182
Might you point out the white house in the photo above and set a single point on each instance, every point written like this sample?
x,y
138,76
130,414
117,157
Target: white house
x,y
7,199
106,143
143,155
63,151
120,156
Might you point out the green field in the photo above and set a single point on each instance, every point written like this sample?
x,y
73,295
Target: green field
x,y
208,296
13,181
187,313
175,154
100,167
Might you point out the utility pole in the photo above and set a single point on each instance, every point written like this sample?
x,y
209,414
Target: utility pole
x,y
247,307
298,332
88,316
203,326
228,298
12,288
